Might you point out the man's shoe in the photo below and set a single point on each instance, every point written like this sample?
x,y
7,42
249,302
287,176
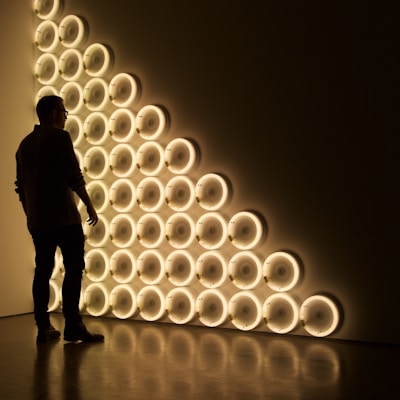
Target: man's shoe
x,y
79,333
47,334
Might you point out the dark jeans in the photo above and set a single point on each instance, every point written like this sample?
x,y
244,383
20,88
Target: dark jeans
x,y
70,240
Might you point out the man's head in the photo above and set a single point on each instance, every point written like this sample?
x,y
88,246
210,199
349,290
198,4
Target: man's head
x,y
51,111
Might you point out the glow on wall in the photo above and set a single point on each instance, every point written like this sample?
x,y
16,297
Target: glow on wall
x,y
164,248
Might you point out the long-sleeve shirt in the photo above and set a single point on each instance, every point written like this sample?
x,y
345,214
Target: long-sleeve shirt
x,y
48,173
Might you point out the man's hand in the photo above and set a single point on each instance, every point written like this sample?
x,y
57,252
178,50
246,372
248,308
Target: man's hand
x,y
93,218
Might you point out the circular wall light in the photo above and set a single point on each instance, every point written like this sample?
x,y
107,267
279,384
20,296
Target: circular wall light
x,y
97,236
319,315
122,230
211,308
72,94
211,230
179,193
46,69
96,265
73,125
181,155
123,266
246,230
151,303
96,299
180,305
150,158
211,269
123,90
180,268
245,311
97,61
55,301
95,162
281,313
281,271
72,31
151,122
48,9
70,65
245,270
150,194
122,160
98,193
46,36
180,230
122,125
212,192
150,230
45,91
95,128
123,301
122,195
95,94
150,267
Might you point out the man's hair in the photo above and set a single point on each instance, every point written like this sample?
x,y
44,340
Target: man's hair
x,y
45,106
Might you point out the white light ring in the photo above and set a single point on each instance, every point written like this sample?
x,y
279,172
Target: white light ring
x,y
122,160
95,128
98,193
211,269
245,230
122,195
280,313
245,310
45,91
150,230
74,126
150,267
123,266
281,271
95,162
46,69
95,94
55,301
150,194
98,235
151,303
72,31
150,158
123,90
179,193
181,156
97,61
180,305
96,299
46,36
319,315
180,268
122,230
211,230
47,9
72,94
122,125
211,308
180,230
151,122
70,65
212,192
96,265
245,270
123,302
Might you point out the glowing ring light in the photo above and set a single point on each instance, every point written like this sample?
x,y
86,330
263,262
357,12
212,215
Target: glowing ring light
x,y
179,193
122,195
245,230
55,300
73,125
70,65
319,315
150,158
180,230
123,90
97,236
122,160
180,305
211,230
47,9
72,31
245,311
211,269
72,94
122,266
95,128
97,60
180,268
211,308
150,230
122,230
151,303
245,270
95,94
281,271
96,299
95,162
150,194
45,91
151,122
150,267
281,313
96,265
122,125
181,156
46,69
212,192
98,193
123,301
46,36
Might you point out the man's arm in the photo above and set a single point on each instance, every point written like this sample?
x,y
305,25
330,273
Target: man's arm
x,y
84,196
